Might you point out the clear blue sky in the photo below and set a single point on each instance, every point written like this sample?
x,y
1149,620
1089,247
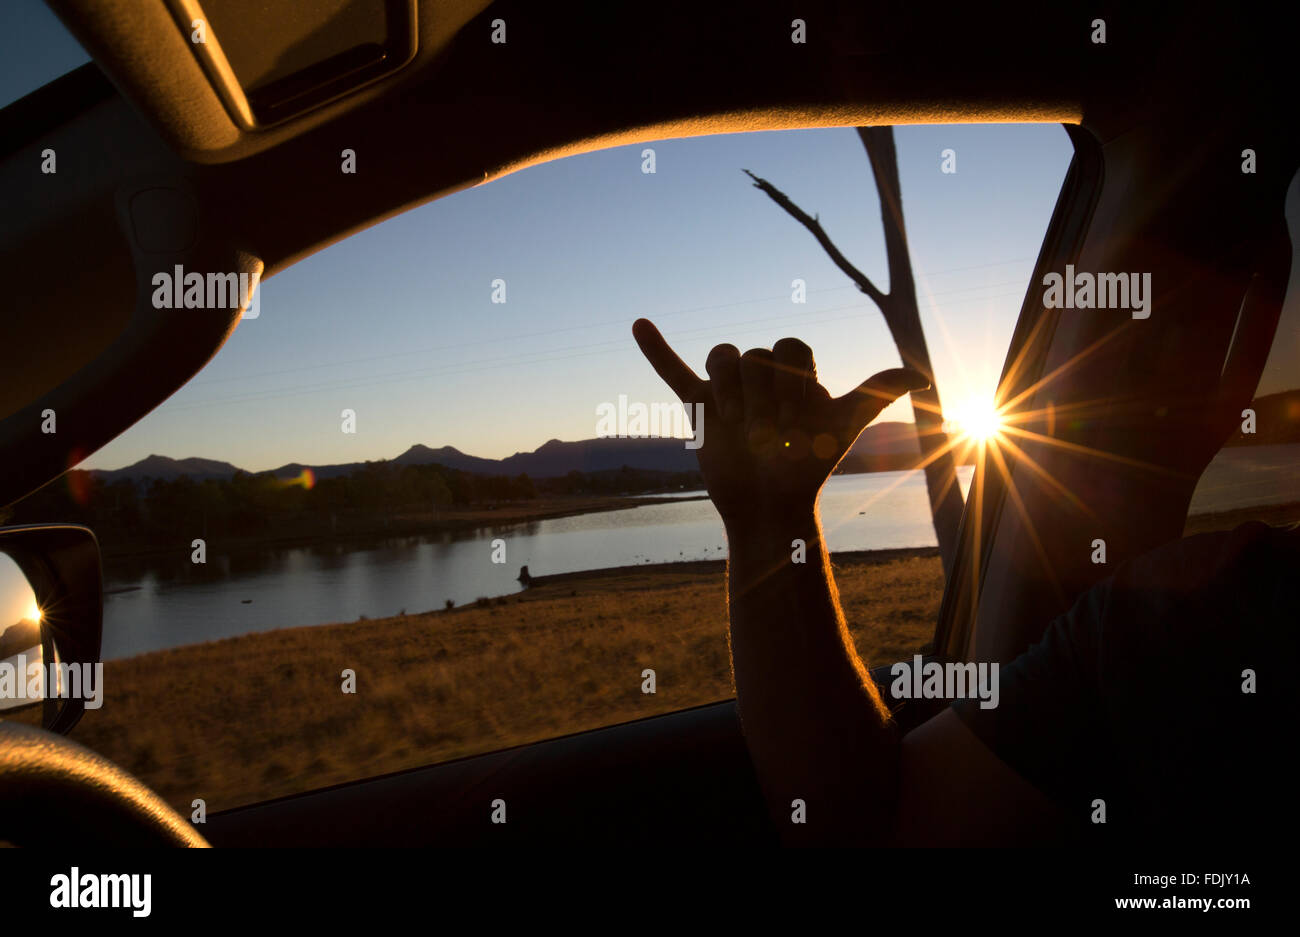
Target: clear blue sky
x,y
397,322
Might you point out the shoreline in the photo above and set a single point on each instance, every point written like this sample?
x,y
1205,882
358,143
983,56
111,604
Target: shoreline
x,y
548,584
548,587
482,518
839,559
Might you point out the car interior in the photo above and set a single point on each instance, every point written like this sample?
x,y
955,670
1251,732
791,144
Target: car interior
x,y
224,155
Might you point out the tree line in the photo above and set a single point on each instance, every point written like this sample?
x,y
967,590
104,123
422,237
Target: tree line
x,y
375,497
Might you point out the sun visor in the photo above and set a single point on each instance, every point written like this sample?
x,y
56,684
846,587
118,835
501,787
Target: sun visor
x,y
272,61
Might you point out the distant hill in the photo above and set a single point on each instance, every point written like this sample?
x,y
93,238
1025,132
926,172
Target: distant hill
x,y
162,467
450,457
881,447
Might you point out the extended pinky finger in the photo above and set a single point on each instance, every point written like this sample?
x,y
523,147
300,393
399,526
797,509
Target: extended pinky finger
x,y
863,404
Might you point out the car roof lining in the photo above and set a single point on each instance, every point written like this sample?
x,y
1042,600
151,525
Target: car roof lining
x,y
143,50
496,114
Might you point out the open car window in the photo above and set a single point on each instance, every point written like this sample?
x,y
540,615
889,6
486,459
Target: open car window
x,y
431,502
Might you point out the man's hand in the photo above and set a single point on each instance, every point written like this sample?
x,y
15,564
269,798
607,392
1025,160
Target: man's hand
x,y
817,728
816,725
772,433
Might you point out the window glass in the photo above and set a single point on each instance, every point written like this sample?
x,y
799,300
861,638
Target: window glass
x,y
1256,475
35,49
399,519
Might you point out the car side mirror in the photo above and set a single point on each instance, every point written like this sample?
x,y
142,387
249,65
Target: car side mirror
x,y
51,625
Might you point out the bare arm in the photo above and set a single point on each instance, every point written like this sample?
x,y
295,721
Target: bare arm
x,y
816,725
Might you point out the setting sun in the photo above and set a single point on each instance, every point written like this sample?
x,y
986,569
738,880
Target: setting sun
x,y
976,419
33,612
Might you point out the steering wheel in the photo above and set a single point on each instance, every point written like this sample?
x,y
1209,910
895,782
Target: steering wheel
x,y
54,790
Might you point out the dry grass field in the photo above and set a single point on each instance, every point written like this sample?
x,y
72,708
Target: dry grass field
x,y
261,716
250,718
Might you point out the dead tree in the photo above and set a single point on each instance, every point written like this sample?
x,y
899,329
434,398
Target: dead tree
x,y
899,308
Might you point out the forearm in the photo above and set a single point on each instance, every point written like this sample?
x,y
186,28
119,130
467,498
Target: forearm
x,y
816,726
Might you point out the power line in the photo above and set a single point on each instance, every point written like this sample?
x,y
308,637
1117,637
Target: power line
x,y
596,325
525,359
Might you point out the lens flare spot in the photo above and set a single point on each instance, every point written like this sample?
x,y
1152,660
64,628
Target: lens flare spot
x,y
304,479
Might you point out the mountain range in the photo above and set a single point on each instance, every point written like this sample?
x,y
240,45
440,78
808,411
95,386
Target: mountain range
x,y
881,447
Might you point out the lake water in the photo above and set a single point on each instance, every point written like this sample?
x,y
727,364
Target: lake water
x,y
172,603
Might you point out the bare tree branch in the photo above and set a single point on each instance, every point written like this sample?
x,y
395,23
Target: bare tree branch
x,y
902,317
859,278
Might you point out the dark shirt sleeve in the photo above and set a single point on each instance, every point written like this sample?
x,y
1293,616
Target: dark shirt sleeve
x,y
1139,695
1047,724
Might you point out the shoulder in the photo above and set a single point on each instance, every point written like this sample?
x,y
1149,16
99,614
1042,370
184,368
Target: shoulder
x,y
1155,648
1193,563
1220,588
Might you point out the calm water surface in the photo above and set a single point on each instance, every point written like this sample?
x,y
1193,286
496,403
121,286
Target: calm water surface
x,y
172,602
